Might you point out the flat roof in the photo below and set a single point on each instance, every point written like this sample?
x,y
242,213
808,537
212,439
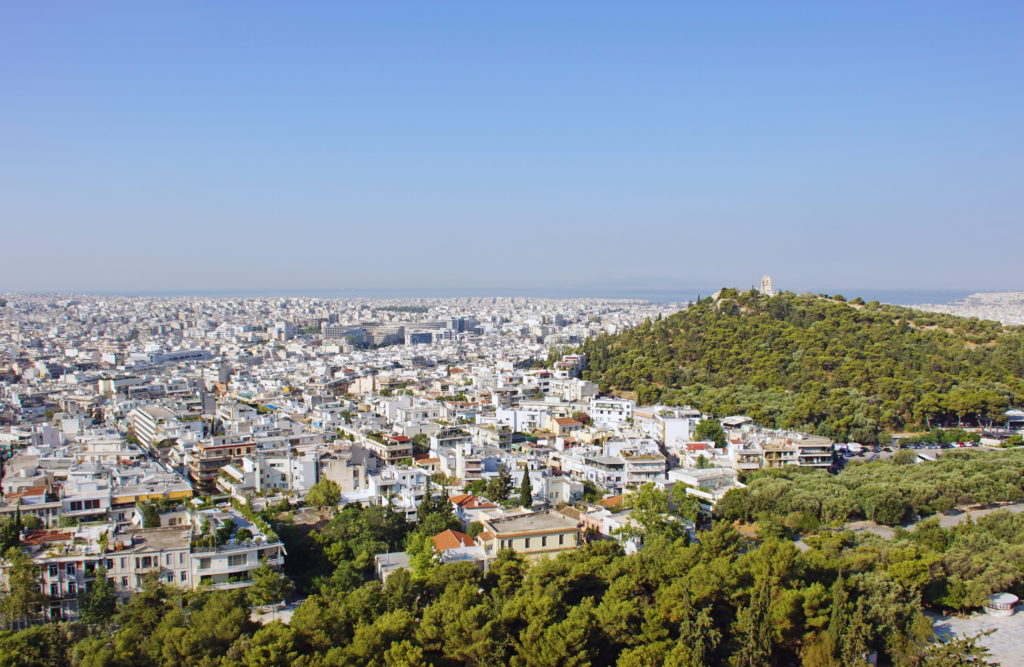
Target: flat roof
x,y
705,473
530,523
159,539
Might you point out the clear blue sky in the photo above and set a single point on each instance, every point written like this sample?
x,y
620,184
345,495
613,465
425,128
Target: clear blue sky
x,y
289,145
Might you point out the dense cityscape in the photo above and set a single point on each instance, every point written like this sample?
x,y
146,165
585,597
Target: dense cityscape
x,y
473,334
157,441
1005,307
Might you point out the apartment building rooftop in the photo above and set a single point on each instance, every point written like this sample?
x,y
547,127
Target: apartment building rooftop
x,y
544,521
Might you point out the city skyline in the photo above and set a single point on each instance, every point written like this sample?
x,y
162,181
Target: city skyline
x,y
579,148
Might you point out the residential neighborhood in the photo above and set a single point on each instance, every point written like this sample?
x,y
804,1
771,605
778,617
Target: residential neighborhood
x,y
132,430
144,435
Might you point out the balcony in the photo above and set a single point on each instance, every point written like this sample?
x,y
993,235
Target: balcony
x,y
231,585
223,567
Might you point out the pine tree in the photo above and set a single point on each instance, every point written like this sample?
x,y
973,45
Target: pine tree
x,y
268,585
501,486
753,630
24,597
98,603
427,505
854,647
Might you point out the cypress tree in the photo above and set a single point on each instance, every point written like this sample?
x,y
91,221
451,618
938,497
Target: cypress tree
x,y
526,491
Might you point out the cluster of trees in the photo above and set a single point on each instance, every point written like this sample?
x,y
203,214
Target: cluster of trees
x,y
886,492
657,515
718,602
709,430
324,494
11,527
949,568
340,554
499,488
843,370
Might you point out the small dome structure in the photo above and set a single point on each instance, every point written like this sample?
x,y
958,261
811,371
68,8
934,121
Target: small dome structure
x,y
1001,604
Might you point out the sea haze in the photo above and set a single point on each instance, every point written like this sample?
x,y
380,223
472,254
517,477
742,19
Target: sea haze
x,y
893,296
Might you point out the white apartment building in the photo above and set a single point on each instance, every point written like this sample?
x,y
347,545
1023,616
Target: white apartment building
x,y
261,473
69,558
611,412
706,484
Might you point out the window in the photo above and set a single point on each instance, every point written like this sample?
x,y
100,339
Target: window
x,y
70,569
561,539
237,559
124,582
204,563
72,588
124,563
167,559
184,575
76,505
54,570
527,543
54,590
544,541
181,558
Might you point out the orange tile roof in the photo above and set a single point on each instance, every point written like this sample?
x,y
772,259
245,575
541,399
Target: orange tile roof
x,y
451,539
44,535
30,491
471,502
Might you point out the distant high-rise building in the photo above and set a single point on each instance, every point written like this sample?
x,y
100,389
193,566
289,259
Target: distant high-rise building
x,y
282,331
766,286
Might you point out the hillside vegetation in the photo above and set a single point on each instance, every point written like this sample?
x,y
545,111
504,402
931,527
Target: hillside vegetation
x,y
720,602
888,492
841,369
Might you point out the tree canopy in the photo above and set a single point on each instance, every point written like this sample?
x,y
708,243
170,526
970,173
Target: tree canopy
x,y
843,370
325,493
719,602
710,430
888,492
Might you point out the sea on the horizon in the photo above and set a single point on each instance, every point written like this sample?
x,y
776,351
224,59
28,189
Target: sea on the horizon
x,y
682,295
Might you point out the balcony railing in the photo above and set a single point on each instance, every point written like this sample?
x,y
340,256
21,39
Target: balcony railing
x,y
239,546
230,585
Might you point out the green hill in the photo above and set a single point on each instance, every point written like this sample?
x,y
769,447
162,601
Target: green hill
x,y
841,369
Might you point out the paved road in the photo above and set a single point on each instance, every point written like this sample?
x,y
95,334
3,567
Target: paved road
x,y
948,520
945,520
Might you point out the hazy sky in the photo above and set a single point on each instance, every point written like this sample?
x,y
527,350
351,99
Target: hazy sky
x,y
289,145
